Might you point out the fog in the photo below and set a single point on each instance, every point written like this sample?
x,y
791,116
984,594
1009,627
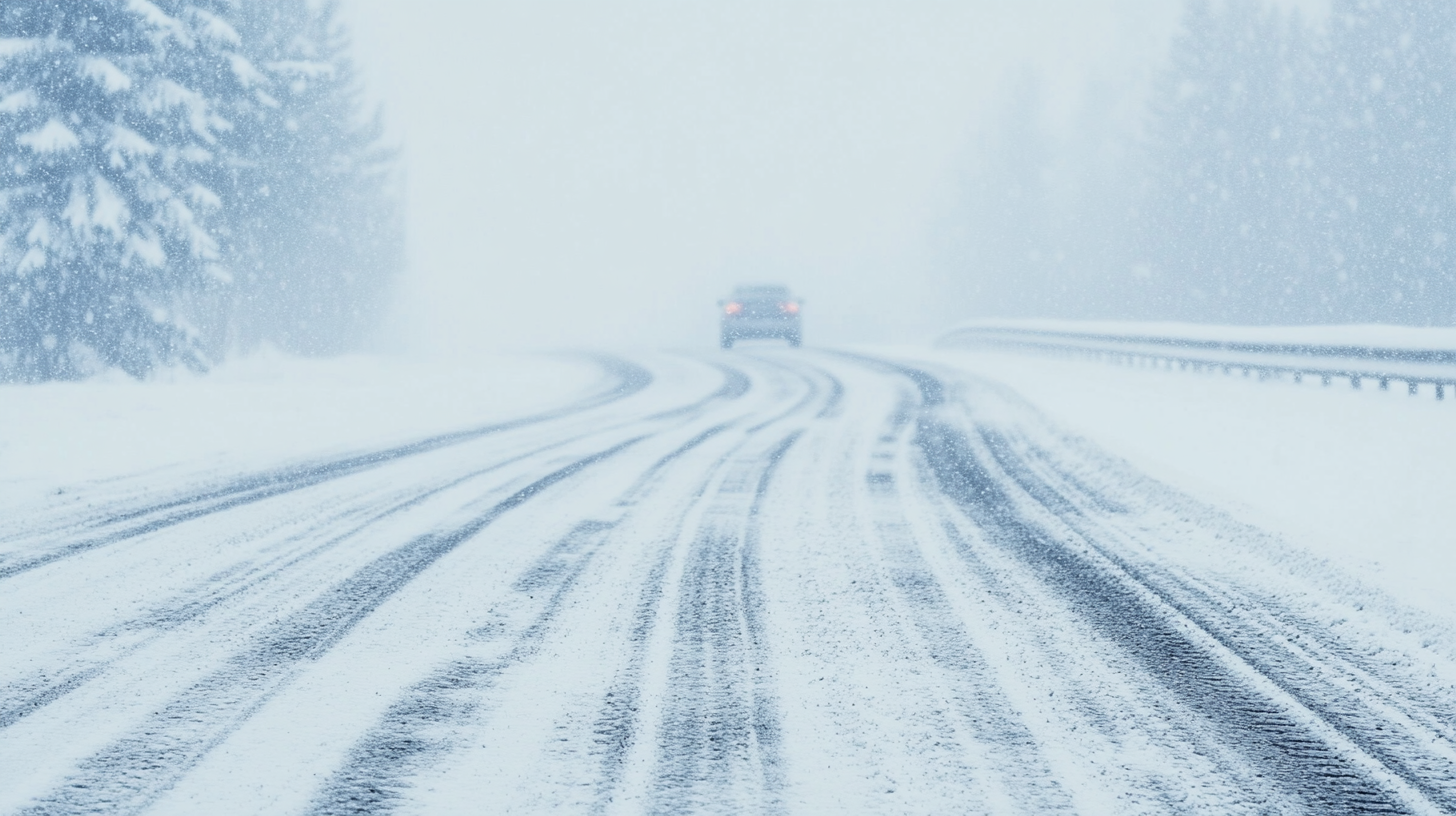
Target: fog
x,y
599,174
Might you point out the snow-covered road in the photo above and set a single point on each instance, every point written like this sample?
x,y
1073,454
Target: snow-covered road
x,y
769,581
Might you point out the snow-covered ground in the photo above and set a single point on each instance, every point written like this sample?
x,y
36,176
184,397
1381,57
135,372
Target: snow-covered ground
x,y
261,411
893,580
1365,478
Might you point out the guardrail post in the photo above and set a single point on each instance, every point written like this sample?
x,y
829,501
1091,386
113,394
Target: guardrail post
x,y
1355,381
1384,383
1412,387
1298,377
1440,391
1324,379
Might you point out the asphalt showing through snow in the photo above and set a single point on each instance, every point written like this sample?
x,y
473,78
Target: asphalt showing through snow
x,y
827,583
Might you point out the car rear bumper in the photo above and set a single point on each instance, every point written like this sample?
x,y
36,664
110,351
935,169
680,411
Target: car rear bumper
x,y
748,328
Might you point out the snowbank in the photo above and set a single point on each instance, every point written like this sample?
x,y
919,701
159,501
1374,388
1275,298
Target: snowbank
x,y
262,411
1364,478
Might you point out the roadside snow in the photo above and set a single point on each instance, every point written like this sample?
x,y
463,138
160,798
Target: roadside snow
x,y
262,411
1362,478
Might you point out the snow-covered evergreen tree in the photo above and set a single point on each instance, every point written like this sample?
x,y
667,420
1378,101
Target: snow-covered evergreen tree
x,y
181,178
104,220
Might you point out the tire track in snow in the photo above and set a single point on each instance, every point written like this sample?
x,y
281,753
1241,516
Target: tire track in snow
x,y
28,695
984,718
138,521
130,773
719,735
416,728
691,724
1400,732
812,393
735,385
1183,653
617,726
413,729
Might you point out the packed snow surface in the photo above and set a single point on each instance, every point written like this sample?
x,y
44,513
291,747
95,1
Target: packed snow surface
x,y
890,580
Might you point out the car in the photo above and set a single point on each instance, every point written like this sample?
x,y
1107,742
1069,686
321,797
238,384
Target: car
x,y
761,312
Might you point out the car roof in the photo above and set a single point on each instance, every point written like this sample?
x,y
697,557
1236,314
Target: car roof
x,y
762,291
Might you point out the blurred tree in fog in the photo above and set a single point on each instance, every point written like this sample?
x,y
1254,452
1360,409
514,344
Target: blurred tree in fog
x,y
316,233
183,179
1045,212
1235,150
1287,173
1393,67
1010,201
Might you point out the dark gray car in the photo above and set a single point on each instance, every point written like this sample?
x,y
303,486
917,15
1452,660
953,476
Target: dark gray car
x,y
761,312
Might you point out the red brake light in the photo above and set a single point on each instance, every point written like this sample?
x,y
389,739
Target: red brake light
x,y
790,307
733,308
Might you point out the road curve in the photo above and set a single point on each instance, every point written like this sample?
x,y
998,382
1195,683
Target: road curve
x,y
791,582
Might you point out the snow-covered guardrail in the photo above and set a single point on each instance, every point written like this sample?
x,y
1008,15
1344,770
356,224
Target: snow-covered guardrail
x,y
1355,354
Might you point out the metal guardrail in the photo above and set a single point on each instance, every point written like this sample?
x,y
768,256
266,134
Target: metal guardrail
x,y
1416,368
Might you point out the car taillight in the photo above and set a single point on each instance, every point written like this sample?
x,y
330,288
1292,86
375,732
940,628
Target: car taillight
x,y
790,307
732,308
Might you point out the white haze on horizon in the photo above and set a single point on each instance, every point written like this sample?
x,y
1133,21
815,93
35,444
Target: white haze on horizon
x,y
587,174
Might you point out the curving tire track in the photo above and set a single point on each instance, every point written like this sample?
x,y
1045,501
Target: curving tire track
x,y
719,730
128,775
691,724
636,637
380,766
1399,729
1315,742
119,524
983,714
422,725
96,653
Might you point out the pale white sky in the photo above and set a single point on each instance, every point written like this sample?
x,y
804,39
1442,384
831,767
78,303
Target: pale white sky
x,y
599,174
